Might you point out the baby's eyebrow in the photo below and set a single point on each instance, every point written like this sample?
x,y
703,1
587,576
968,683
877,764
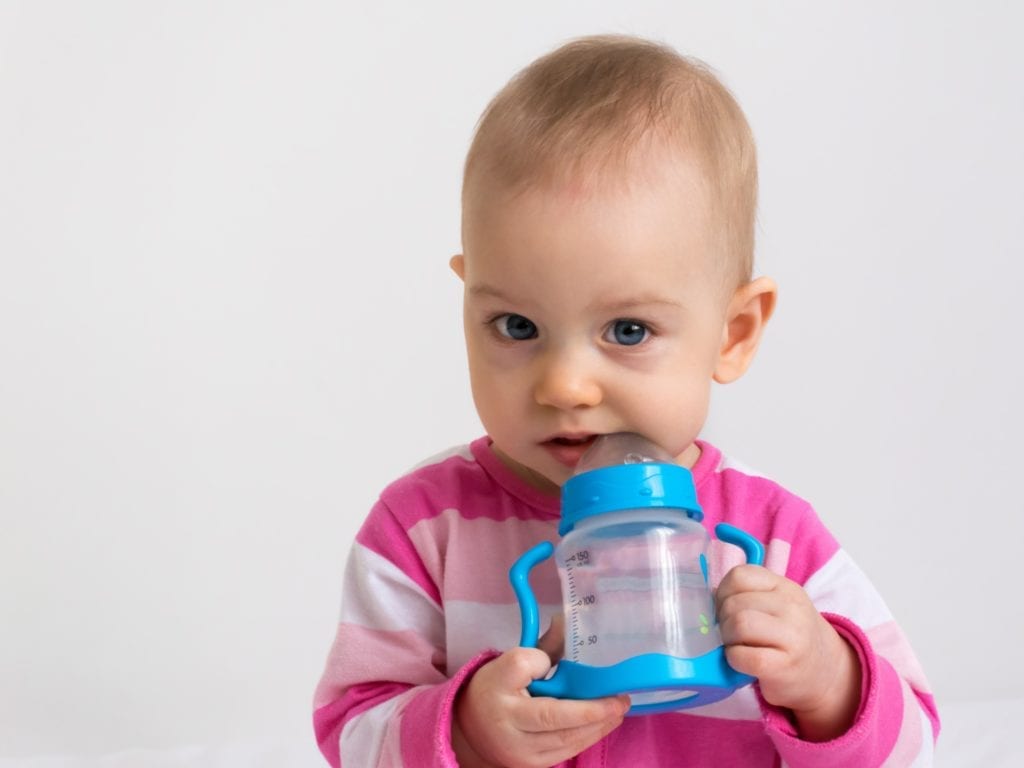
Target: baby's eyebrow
x,y
635,302
624,304
488,291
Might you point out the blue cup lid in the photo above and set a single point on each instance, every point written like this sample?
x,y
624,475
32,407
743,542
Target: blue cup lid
x,y
628,486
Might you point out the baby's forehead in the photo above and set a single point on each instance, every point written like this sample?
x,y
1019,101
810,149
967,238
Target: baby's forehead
x,y
664,205
653,175
601,167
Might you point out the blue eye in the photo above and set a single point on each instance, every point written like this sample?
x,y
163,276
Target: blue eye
x,y
515,327
627,332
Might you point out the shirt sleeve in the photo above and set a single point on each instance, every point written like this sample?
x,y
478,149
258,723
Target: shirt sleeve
x,y
384,698
897,722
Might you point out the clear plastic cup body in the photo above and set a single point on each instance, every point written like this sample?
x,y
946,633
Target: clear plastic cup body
x,y
632,583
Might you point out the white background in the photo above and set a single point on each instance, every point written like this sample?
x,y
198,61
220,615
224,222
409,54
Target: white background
x,y
226,321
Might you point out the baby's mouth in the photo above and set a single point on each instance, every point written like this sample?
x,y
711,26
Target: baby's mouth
x,y
568,449
585,440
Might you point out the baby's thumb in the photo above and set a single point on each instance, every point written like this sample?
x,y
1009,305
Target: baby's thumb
x,y
552,642
518,667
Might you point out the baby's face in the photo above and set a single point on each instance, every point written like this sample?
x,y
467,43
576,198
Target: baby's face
x,y
590,311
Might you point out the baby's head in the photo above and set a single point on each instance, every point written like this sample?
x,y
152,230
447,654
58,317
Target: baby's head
x,y
595,111
608,227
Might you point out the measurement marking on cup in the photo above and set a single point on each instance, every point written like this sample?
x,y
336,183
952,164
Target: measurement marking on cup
x,y
576,639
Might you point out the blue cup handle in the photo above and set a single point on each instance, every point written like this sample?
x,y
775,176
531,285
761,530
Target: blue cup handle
x,y
519,575
752,548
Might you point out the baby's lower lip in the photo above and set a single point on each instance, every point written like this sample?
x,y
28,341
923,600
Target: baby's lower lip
x,y
567,451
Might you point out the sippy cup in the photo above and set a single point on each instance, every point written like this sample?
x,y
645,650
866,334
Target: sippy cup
x,y
639,614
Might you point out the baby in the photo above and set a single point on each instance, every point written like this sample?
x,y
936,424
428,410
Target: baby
x,y
608,234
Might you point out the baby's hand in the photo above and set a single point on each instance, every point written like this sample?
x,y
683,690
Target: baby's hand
x,y
498,723
772,630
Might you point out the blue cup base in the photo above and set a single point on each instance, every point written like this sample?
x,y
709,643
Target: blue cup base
x,y
652,678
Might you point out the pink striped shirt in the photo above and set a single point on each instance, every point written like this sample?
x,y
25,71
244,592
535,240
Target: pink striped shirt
x,y
427,600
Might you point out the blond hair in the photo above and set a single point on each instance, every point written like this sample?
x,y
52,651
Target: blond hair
x,y
586,106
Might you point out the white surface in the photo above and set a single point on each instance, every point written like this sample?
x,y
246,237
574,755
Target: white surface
x,y
242,755
226,321
981,733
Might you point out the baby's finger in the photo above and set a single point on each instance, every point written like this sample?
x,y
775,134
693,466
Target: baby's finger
x,y
556,746
552,642
545,715
752,628
747,578
517,668
761,662
770,603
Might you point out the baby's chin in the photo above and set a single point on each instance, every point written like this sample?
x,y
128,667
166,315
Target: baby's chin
x,y
547,481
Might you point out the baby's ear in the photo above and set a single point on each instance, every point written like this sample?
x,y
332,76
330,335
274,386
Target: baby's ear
x,y
749,311
458,265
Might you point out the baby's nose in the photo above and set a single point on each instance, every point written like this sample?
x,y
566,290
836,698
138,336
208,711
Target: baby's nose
x,y
567,380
